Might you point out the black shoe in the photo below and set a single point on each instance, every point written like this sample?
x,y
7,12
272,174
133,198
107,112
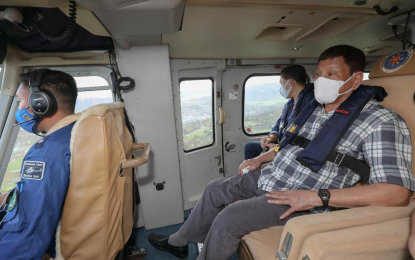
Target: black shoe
x,y
161,243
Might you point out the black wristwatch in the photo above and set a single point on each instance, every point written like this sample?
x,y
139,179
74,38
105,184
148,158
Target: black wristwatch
x,y
324,196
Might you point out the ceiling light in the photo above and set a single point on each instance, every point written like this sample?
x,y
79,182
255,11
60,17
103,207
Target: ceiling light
x,y
295,48
360,2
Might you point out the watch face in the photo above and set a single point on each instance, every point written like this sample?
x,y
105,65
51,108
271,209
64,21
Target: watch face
x,y
324,194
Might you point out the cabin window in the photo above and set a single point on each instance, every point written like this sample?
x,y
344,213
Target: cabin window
x,y
196,103
263,104
365,75
92,90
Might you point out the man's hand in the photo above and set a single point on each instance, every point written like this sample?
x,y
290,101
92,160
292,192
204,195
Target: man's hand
x,y
253,164
298,200
264,142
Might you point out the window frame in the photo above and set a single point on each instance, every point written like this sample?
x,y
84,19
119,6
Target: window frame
x,y
243,101
213,112
103,71
93,74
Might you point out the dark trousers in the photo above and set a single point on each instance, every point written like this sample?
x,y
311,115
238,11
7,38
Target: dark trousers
x,y
252,149
220,226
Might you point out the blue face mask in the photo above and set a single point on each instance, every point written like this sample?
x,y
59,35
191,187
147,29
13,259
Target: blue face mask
x,y
284,92
26,120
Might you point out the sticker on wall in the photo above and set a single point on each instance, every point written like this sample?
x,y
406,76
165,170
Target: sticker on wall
x,y
233,95
395,61
235,87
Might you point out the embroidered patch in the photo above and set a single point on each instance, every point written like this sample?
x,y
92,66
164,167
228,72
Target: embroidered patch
x,y
33,170
41,142
343,112
395,61
13,201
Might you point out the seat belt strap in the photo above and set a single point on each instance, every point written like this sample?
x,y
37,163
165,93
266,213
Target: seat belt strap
x,y
339,159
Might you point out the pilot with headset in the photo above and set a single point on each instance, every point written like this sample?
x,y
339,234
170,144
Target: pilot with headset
x,y
30,212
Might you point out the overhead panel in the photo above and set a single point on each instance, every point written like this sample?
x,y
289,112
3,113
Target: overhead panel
x,y
267,29
380,50
334,26
108,5
135,22
399,34
278,32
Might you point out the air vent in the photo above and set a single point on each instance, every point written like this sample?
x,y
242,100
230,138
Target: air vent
x,y
380,50
400,35
334,26
278,32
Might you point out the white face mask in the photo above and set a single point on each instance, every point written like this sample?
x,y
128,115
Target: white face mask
x,y
284,92
327,90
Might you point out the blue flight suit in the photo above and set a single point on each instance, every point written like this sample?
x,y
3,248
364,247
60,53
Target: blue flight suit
x,y
289,113
28,231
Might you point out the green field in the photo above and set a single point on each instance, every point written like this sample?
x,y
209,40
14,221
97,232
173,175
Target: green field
x,y
198,138
12,175
24,141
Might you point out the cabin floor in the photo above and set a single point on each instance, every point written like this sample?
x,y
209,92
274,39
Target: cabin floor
x,y
141,234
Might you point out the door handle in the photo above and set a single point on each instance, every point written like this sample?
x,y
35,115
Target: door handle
x,y
220,159
230,147
222,116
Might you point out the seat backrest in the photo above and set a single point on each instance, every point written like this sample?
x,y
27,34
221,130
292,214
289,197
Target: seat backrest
x,y
97,217
396,73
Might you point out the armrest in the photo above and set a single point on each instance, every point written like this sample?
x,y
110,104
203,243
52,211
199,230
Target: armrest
x,y
140,160
301,228
381,241
261,244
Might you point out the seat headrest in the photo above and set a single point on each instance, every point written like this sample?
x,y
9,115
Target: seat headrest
x,y
396,64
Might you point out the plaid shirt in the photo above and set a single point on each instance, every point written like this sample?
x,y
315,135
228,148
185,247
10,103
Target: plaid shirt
x,y
378,136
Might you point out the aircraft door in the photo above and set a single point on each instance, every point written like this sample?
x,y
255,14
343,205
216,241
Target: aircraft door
x,y
252,104
197,102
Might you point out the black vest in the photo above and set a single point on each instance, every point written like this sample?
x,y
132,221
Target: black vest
x,y
322,147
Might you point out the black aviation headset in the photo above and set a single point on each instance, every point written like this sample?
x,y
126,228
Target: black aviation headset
x,y
41,102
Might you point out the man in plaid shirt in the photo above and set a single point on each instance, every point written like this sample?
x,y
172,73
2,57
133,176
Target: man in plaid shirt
x,y
285,188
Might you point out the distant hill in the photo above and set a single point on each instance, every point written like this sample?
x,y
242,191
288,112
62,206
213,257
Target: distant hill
x,y
262,92
197,101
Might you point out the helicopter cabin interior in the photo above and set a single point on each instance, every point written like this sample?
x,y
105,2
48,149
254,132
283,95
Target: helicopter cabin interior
x,y
199,79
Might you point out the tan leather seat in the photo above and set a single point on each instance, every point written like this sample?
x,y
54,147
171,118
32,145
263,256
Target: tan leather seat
x,y
97,217
360,233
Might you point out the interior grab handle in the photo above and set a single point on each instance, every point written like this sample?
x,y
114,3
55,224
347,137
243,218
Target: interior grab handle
x,y
139,160
222,115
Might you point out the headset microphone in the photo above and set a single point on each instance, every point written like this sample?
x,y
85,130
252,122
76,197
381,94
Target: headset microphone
x,y
24,121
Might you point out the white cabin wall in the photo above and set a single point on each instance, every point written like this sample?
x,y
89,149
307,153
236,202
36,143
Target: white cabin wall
x,y
151,111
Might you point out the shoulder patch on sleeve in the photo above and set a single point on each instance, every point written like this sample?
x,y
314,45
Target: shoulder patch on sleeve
x,y
33,170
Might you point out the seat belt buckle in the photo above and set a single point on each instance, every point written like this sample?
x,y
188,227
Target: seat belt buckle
x,y
339,159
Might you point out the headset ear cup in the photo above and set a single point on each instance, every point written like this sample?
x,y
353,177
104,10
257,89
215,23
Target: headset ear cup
x,y
53,105
42,103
